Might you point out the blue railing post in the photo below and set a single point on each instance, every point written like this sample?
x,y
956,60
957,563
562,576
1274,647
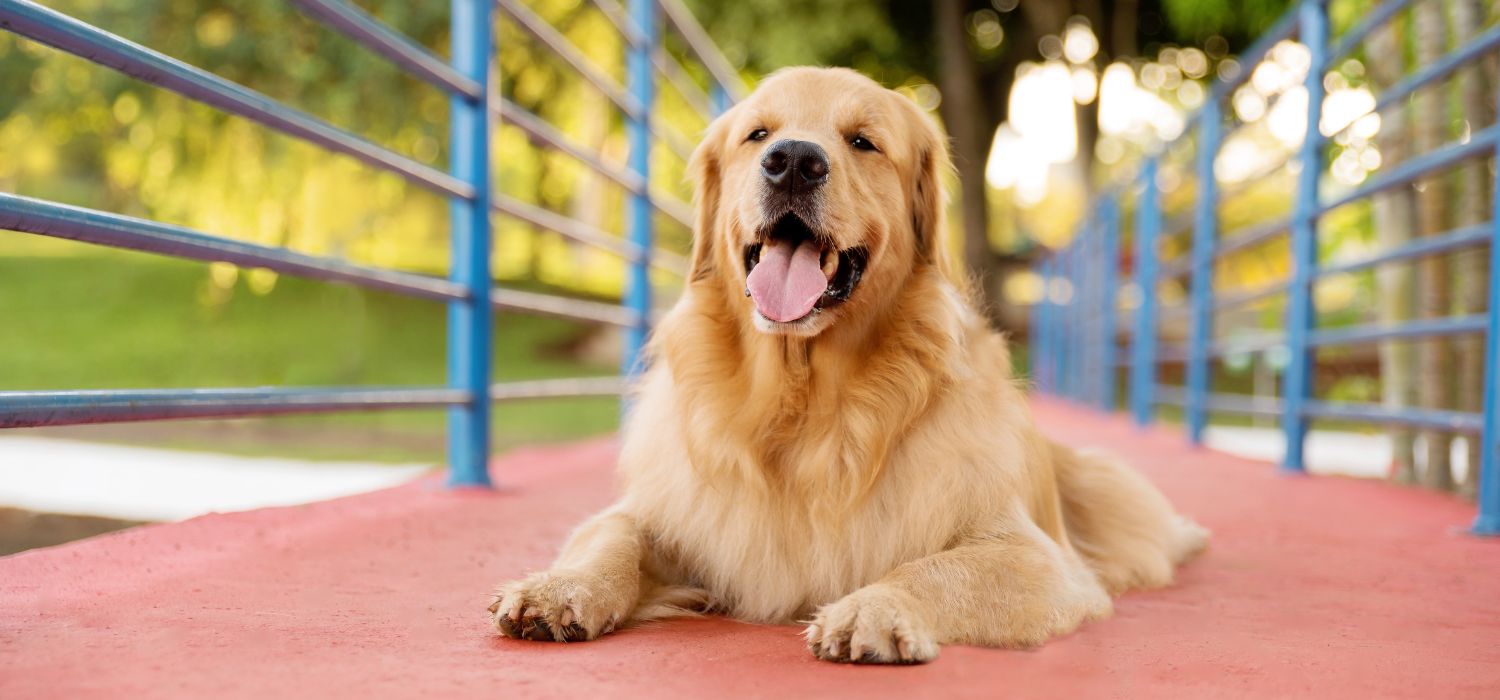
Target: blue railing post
x,y
1093,307
719,100
1109,352
1046,359
641,82
1070,338
1205,235
470,320
1064,292
1083,325
1297,381
1487,522
1143,347
1034,333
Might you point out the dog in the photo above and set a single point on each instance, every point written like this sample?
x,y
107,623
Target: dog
x,y
829,432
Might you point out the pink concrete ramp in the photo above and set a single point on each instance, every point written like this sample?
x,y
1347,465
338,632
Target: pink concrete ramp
x,y
1314,588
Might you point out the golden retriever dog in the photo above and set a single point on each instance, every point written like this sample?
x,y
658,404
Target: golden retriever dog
x,y
829,433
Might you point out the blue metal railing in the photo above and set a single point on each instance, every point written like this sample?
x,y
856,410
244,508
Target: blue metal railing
x,y
1076,350
472,299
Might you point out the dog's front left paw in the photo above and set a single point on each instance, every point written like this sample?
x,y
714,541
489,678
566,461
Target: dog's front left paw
x,y
559,607
873,625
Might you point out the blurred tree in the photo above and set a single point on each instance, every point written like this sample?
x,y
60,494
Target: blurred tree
x,y
1434,290
1394,221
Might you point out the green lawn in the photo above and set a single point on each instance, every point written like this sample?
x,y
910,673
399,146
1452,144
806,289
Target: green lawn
x,y
76,317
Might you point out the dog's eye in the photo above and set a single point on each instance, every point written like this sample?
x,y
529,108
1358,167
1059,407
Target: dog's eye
x,y
758,135
862,144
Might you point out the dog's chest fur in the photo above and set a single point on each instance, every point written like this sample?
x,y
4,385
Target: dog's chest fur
x,y
766,549
768,558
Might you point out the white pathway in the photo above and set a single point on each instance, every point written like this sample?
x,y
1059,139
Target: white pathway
x,y
138,483
70,476
1327,452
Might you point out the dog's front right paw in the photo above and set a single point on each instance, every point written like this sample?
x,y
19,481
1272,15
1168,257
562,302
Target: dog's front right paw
x,y
873,625
559,607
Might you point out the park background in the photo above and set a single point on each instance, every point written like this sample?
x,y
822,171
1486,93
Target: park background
x,y
1046,103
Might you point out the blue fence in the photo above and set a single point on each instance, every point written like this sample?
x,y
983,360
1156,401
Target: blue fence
x,y
1076,346
475,105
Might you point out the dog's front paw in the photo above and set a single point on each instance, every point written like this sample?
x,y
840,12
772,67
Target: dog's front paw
x,y
559,607
873,625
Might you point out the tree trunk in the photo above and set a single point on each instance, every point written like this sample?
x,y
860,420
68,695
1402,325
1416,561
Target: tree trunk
x,y
1396,284
963,116
1477,101
1434,355
1125,18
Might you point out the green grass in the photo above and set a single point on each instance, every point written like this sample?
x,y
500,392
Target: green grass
x,y
81,318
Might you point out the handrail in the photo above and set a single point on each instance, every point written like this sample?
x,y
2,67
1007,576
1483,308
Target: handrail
x,y
64,33
545,134
1068,349
29,409
558,388
703,47
43,218
469,291
540,30
359,26
563,307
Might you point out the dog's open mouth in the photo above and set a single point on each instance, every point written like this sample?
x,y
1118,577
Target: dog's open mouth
x,y
792,272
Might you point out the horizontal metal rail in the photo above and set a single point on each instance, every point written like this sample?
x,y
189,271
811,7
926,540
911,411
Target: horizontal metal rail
x,y
558,388
1425,328
91,43
676,74
1245,404
674,208
22,409
562,307
1481,143
1251,236
703,47
548,36
1465,237
621,19
1247,344
543,133
1414,417
674,143
1433,72
1179,266
395,47
90,226
1244,298
1372,20
1177,226
1170,395
584,233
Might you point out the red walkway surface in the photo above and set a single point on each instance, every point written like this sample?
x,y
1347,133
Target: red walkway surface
x,y
1313,588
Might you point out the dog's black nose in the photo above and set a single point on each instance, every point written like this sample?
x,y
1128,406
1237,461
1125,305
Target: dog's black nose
x,y
795,166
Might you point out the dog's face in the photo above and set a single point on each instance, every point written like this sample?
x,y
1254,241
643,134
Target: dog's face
x,y
817,197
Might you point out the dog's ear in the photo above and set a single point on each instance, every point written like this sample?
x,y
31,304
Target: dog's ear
x,y
929,199
704,168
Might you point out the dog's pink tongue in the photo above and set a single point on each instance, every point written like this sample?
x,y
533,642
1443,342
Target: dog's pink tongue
x,y
786,283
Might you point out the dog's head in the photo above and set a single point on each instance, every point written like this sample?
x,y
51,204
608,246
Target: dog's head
x,y
817,197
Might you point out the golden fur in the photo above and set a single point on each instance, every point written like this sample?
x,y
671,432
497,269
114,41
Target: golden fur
x,y
876,474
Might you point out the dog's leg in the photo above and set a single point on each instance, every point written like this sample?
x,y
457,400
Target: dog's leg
x,y
1012,588
591,588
